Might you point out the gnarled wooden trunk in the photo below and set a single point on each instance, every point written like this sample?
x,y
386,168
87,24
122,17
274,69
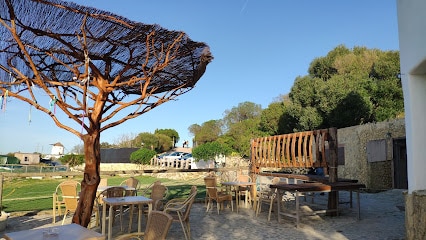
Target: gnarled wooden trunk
x,y
90,181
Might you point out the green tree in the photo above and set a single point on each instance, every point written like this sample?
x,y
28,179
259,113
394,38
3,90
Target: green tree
x,y
387,99
354,109
208,132
305,91
323,67
209,150
387,66
270,118
345,88
193,130
297,118
173,134
103,145
243,111
386,95
142,156
72,159
165,143
146,140
242,132
158,141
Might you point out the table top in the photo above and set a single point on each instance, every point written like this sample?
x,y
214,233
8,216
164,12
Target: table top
x,y
103,188
236,183
65,232
306,177
127,200
319,187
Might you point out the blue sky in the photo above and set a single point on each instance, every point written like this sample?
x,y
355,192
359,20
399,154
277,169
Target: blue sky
x,y
259,48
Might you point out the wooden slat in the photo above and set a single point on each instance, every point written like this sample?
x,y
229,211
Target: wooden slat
x,y
290,150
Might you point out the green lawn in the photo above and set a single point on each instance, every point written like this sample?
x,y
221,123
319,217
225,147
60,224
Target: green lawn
x,y
23,194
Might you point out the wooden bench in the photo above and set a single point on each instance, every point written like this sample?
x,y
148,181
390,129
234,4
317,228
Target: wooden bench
x,y
300,150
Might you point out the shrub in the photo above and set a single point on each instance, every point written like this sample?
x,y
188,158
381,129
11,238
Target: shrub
x,y
210,150
142,156
72,159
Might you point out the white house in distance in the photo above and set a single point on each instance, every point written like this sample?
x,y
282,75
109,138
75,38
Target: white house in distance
x,y
34,158
28,158
57,149
56,152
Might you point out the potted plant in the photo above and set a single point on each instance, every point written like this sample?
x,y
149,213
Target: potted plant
x,y
206,154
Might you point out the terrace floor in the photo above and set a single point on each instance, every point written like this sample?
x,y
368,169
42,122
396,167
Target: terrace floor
x,y
382,217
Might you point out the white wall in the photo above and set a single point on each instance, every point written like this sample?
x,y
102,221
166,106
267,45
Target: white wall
x,y
412,44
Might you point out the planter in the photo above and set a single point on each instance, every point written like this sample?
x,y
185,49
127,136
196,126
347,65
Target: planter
x,y
202,164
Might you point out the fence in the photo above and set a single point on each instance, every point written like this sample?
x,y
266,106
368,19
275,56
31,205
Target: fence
x,y
18,168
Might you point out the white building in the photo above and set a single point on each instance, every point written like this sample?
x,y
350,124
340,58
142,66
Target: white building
x,y
57,149
412,44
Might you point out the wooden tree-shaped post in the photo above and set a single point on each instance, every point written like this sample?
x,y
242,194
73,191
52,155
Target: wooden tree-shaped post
x,y
92,65
333,164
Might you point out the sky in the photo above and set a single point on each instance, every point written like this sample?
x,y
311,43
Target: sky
x,y
259,49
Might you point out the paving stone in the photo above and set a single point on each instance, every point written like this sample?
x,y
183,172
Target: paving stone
x,y
382,217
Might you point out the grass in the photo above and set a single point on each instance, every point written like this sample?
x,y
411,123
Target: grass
x,y
22,194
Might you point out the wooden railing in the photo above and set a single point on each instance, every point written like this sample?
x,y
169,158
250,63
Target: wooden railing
x,y
294,150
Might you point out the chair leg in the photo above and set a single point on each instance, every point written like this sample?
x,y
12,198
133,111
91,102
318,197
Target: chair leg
x,y
183,227
218,206
130,218
188,229
270,208
246,198
259,207
208,205
232,205
65,215
121,218
54,212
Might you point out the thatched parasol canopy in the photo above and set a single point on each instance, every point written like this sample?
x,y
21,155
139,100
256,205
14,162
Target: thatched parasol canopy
x,y
61,37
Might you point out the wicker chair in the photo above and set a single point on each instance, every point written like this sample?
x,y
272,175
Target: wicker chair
x,y
180,208
214,194
158,193
267,196
131,182
243,191
157,227
103,182
58,200
70,198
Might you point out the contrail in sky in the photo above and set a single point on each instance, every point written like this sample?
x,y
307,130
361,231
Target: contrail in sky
x,y
244,6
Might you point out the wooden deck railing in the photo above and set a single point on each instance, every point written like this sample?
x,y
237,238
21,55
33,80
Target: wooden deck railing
x,y
294,150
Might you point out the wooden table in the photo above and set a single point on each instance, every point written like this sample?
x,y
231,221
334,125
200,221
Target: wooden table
x,y
124,201
237,184
314,187
65,232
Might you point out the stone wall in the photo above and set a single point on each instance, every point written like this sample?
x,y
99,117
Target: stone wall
x,y
415,220
375,175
